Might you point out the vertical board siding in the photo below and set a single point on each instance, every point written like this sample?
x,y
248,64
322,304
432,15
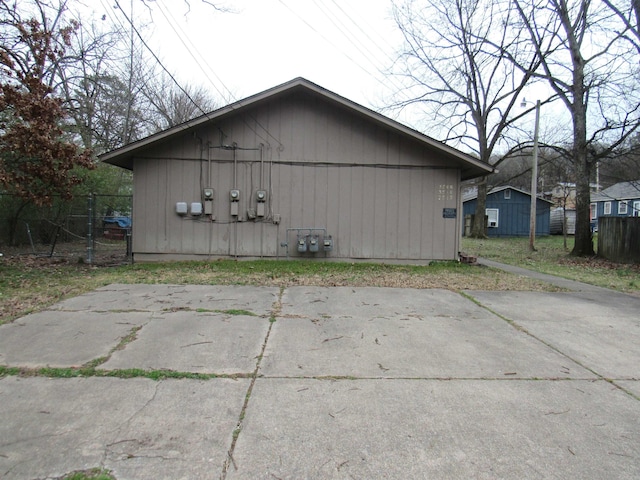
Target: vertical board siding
x,y
375,193
619,239
380,202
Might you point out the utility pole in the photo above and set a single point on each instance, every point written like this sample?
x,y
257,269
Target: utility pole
x,y
534,178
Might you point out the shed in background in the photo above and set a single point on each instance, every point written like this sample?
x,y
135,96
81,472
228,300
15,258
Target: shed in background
x,y
508,210
560,216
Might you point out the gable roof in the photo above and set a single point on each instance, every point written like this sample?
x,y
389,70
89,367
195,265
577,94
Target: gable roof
x,y
470,167
619,191
474,194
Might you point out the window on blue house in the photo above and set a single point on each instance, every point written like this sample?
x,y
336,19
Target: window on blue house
x,y
636,208
607,208
492,217
507,194
623,207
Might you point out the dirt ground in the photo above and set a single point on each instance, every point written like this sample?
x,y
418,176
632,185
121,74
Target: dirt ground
x,y
104,254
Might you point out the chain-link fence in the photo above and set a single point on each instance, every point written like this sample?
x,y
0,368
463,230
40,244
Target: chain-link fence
x,y
95,229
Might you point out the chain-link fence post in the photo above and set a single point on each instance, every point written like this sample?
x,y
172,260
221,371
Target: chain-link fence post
x,y
90,229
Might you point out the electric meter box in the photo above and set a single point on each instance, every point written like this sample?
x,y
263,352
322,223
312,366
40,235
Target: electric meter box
x,y
327,243
208,194
302,244
313,244
234,197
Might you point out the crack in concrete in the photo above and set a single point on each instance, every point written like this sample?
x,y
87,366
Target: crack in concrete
x,y
108,447
275,311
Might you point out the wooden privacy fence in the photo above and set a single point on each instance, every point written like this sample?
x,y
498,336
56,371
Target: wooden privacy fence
x,y
619,239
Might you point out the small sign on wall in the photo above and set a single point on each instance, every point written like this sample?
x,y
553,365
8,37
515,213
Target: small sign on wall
x,y
449,212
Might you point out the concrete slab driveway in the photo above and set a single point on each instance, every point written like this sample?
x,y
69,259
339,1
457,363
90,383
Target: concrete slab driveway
x,y
312,382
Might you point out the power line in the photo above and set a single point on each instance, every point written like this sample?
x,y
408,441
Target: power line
x,y
346,32
351,38
158,59
191,48
326,39
342,28
369,54
364,32
175,81
202,60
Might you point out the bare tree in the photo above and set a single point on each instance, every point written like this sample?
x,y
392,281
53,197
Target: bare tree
x,y
628,13
457,64
584,59
97,99
169,105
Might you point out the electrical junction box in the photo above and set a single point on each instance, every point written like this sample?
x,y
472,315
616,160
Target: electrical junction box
x,y
181,208
196,209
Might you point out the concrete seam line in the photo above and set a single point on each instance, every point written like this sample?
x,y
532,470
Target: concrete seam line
x,y
522,329
277,307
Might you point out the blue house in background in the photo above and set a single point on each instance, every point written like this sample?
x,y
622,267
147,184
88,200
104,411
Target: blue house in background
x,y
619,200
508,211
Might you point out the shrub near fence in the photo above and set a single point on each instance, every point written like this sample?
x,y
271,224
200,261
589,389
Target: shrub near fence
x,y
619,239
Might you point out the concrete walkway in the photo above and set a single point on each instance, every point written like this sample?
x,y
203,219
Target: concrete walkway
x,y
551,279
319,383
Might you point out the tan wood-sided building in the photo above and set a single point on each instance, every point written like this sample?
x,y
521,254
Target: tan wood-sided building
x,y
295,171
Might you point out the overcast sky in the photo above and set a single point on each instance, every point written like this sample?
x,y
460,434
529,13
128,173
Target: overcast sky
x,y
342,45
345,46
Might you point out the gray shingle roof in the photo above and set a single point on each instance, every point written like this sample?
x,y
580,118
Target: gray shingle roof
x,y
473,194
619,191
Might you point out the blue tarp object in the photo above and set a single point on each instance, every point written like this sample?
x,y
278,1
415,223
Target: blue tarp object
x,y
123,222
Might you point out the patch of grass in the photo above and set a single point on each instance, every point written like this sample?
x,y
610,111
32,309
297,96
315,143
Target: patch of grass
x,y
228,312
95,362
238,312
30,284
61,372
127,339
91,474
5,371
551,257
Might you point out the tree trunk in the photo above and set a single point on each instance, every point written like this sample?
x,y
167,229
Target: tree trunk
x,y
583,239
478,225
